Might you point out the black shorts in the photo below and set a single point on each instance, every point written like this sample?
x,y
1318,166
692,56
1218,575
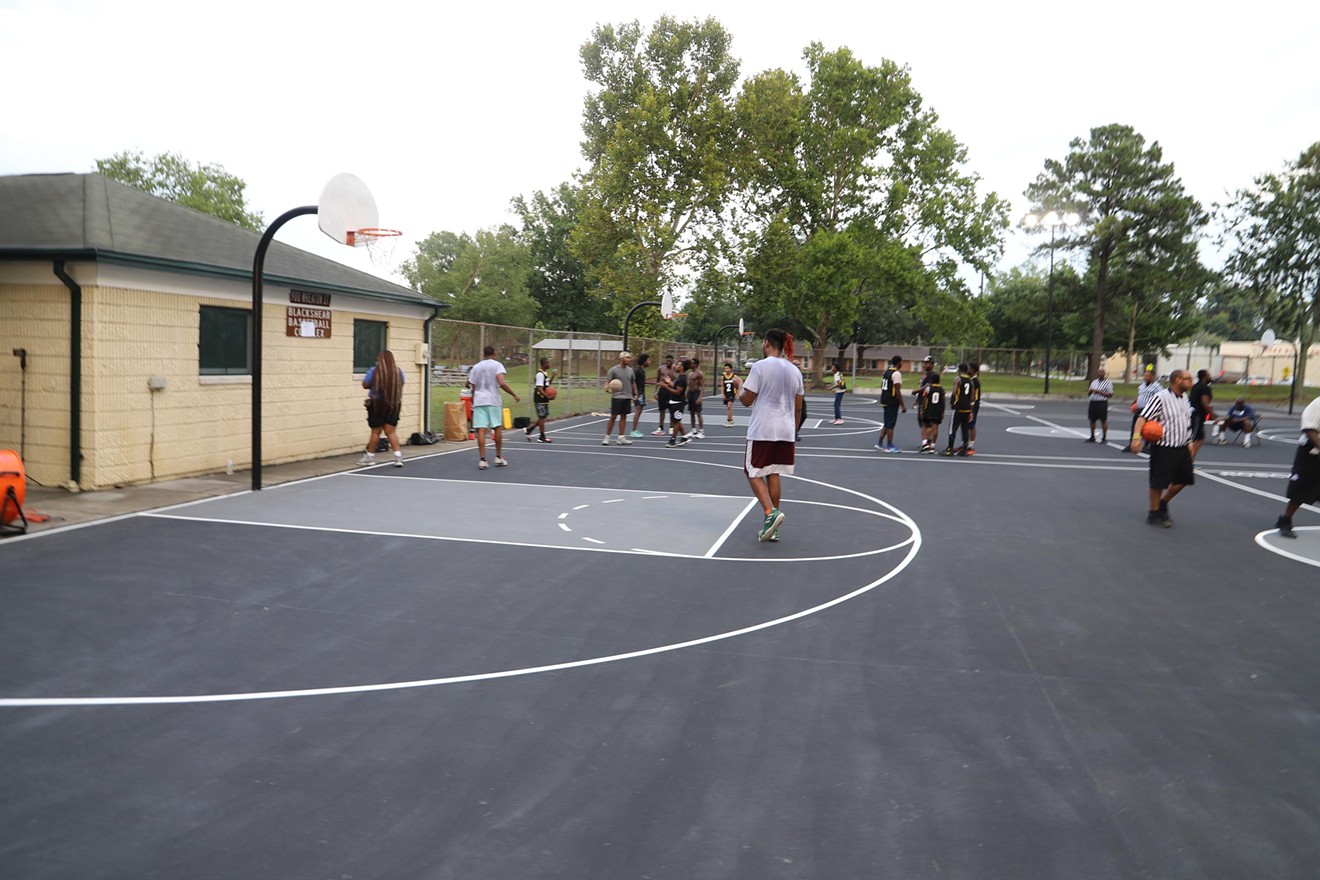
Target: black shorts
x,y
1097,411
379,419
1171,466
694,403
621,406
542,410
675,409
1304,482
891,417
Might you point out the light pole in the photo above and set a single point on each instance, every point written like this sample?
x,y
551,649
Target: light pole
x,y
1053,220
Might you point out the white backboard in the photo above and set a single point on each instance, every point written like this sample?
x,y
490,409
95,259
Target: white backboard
x,y
346,205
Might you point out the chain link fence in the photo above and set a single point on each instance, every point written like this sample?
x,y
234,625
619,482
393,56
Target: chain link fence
x,y
579,361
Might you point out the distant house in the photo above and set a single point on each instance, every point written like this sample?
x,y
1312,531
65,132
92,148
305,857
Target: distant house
x,y
129,319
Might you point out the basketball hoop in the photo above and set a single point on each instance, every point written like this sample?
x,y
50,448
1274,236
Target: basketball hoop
x,y
379,242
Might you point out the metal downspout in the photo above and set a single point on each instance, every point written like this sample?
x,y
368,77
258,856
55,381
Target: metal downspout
x,y
75,372
426,400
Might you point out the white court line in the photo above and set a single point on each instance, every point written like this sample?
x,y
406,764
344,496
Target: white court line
x,y
592,540
914,544
1260,539
1209,476
733,524
565,527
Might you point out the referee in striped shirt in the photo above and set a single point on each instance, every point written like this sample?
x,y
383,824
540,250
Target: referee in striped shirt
x,y
1171,455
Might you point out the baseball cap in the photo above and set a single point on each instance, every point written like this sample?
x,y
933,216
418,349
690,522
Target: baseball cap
x,y
928,358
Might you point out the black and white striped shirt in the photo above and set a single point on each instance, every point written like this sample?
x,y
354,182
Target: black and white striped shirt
x,y
1101,389
1145,392
1175,414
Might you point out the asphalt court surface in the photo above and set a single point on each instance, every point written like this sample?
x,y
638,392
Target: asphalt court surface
x,y
585,665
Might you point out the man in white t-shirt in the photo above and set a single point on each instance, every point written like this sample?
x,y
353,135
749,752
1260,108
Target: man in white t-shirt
x,y
774,391
487,378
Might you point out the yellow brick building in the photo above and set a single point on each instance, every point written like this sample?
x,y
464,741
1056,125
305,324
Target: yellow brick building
x,y
126,339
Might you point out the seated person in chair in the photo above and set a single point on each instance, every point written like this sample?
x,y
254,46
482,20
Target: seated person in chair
x,y
1241,417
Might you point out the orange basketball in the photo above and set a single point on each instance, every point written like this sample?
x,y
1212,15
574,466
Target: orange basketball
x,y
1152,432
550,392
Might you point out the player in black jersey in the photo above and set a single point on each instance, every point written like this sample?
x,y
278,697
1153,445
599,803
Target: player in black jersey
x,y
930,412
891,398
964,397
730,384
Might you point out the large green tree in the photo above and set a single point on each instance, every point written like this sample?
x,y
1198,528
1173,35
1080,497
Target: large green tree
x,y
851,193
559,281
659,140
482,277
1133,210
206,188
1274,227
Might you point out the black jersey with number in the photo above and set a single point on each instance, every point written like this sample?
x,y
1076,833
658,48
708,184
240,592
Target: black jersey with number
x,y
932,402
730,385
963,394
887,388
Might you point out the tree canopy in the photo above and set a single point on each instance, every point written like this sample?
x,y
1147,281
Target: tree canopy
x,y
852,195
482,277
1274,227
206,188
1135,218
658,138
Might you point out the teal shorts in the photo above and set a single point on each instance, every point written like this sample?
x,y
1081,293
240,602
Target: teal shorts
x,y
487,417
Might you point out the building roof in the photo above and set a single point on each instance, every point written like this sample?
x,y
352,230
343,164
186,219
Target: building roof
x,y
92,217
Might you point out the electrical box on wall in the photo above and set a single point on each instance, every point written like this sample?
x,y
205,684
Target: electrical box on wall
x,y
156,383
423,354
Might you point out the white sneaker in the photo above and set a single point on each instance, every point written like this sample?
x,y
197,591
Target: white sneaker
x,y
605,442
624,441
729,423
481,465
499,462
367,458
398,461
701,435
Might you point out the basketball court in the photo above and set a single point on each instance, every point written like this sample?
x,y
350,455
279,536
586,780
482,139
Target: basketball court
x,y
585,665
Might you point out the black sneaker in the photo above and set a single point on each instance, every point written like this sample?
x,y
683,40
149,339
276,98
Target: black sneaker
x,y
1153,518
1284,525
1166,520
1089,440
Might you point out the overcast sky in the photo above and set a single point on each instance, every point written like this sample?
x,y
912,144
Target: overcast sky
x,y
448,110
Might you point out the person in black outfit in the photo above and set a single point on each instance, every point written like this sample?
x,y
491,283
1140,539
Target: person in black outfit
x,y
1200,397
961,403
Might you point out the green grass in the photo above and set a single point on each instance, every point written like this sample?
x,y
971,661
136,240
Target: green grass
x,y
570,401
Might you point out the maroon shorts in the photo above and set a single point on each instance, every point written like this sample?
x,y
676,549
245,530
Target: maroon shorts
x,y
765,457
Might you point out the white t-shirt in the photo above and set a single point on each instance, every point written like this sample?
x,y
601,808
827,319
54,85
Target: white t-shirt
x,y
484,377
777,384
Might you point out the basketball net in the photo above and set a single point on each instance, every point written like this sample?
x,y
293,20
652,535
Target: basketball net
x,y
380,244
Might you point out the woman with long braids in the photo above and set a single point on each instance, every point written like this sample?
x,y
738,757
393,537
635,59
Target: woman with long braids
x,y
385,382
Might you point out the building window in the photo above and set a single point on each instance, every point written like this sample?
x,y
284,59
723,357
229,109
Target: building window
x,y
224,342
369,339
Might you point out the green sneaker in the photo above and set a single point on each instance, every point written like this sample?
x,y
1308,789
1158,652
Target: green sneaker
x,y
770,525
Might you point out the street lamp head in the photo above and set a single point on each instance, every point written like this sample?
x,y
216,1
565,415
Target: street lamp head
x,y
1072,218
1051,218
1031,221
